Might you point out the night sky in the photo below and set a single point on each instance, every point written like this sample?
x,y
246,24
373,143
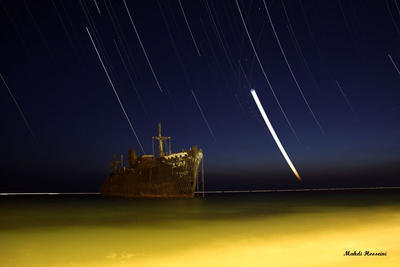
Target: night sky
x,y
343,55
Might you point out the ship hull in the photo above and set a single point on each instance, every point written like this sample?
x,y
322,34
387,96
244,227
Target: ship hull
x,y
161,178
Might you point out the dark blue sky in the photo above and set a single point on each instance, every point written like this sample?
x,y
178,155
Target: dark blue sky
x,y
51,67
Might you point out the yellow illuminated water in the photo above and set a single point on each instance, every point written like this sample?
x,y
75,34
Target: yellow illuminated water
x,y
290,229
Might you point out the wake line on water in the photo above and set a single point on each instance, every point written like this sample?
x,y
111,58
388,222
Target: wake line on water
x,y
299,190
225,191
48,194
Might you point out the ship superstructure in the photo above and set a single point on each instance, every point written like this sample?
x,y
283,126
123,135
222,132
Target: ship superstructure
x,y
165,175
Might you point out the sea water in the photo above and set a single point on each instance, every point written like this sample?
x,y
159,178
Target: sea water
x,y
259,229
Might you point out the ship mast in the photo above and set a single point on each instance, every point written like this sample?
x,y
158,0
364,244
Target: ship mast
x,y
160,139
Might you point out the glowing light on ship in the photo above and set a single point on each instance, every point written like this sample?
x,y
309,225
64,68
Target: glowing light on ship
x,y
272,131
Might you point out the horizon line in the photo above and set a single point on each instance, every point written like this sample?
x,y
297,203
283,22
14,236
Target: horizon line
x,y
218,191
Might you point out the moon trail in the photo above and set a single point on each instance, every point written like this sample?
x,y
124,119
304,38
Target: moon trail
x,y
272,131
265,75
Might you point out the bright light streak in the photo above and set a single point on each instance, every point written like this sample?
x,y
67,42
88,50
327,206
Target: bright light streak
x,y
272,131
141,45
290,68
115,91
188,26
394,64
204,117
19,109
345,97
131,79
265,75
391,16
97,6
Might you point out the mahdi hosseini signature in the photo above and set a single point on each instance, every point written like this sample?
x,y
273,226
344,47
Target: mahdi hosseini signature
x,y
364,253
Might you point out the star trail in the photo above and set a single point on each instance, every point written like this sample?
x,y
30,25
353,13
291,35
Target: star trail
x,y
326,72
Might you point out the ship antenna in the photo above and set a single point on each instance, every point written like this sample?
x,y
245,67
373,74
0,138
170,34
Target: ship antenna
x,y
160,145
160,139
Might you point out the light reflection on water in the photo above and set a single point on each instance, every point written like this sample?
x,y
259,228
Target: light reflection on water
x,y
274,229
